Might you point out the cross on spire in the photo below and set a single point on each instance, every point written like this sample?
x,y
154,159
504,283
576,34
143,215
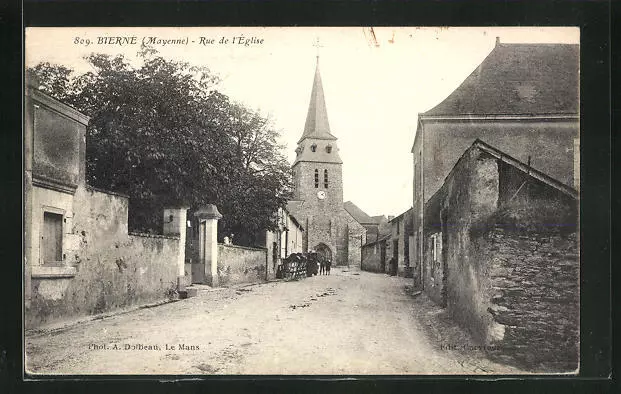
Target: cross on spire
x,y
317,45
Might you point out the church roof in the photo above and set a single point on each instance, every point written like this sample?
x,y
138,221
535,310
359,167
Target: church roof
x,y
358,214
294,207
519,79
317,125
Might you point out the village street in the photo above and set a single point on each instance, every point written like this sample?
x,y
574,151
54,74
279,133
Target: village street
x,y
351,322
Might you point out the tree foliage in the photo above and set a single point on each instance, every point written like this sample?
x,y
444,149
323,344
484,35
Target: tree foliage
x,y
162,133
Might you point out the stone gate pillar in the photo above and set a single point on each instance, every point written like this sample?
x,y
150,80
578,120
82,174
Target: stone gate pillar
x,y
175,223
208,241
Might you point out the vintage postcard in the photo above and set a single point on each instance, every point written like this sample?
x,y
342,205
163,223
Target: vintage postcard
x,y
301,201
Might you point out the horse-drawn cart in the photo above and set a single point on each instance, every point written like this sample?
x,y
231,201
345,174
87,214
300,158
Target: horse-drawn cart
x,y
298,265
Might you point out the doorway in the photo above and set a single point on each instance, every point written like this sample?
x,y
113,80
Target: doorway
x,y
395,257
383,256
324,251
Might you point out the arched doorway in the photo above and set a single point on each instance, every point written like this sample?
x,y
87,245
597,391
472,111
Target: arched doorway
x,y
324,251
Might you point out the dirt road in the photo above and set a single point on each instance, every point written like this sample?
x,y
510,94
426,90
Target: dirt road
x,y
346,323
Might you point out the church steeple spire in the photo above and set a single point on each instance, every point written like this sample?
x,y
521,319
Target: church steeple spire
x,y
317,125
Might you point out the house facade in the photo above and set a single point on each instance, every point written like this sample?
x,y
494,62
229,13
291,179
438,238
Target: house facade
x,y
400,237
522,99
287,239
375,254
375,226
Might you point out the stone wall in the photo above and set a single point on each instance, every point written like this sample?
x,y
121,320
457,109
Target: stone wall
x,y
371,258
239,264
508,264
534,297
356,233
112,269
400,231
472,197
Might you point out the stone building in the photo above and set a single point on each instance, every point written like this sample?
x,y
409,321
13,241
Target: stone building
x,y
79,257
400,237
376,253
374,225
318,188
285,240
522,99
501,253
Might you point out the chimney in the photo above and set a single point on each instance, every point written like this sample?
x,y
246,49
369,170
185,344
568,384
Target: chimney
x,y
497,40
390,217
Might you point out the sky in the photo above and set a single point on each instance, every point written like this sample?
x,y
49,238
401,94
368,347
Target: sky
x,y
374,88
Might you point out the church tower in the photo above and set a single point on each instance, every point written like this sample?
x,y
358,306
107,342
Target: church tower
x,y
318,186
317,170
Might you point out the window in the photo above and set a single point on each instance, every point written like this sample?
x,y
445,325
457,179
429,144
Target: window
x,y
436,246
325,179
316,178
329,148
314,147
52,237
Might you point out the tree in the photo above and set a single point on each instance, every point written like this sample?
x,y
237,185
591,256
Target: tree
x,y
264,183
163,134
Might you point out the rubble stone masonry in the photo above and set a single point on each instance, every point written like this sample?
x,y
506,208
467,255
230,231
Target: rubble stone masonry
x,y
535,297
506,266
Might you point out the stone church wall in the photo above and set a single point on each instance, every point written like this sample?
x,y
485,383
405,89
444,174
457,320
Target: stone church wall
x,y
326,221
356,234
304,182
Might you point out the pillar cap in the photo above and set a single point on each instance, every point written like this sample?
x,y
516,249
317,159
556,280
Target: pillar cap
x,y
210,211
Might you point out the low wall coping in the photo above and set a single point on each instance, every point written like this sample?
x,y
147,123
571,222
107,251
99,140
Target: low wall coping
x,y
243,247
96,189
147,235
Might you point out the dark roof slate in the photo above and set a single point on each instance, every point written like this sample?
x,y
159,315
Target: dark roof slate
x,y
317,125
358,214
519,79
